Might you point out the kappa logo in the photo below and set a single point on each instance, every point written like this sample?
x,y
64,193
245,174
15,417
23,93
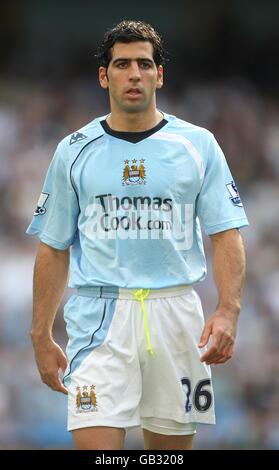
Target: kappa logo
x,y
40,209
235,198
76,137
134,174
86,401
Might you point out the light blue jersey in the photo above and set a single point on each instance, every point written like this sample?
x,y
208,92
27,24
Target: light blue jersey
x,y
130,204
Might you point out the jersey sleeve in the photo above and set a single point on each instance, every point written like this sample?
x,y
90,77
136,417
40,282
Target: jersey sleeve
x,y
55,218
219,206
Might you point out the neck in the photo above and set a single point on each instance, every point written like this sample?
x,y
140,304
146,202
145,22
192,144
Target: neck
x,y
134,122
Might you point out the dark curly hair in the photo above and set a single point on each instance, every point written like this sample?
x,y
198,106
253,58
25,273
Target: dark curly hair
x,y
130,31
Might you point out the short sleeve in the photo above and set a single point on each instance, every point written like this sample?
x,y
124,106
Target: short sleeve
x,y
55,217
218,205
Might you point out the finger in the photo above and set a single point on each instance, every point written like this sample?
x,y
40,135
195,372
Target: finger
x,y
227,356
227,350
205,336
55,383
214,352
222,360
57,386
225,344
213,359
63,363
213,348
62,388
211,353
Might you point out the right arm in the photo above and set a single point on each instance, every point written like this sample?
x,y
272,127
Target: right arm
x,y
50,279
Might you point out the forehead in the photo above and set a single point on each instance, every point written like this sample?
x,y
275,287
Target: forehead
x,y
132,50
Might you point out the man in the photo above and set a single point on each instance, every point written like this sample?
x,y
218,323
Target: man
x,y
123,198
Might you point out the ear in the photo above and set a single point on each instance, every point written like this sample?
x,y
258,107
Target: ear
x,y
103,79
160,76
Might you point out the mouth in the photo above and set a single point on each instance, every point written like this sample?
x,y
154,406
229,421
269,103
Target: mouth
x,y
134,92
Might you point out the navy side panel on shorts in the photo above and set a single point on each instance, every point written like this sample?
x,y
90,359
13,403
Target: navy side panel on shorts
x,y
88,320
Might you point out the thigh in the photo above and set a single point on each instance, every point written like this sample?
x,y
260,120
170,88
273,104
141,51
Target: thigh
x,y
154,441
176,384
103,376
99,438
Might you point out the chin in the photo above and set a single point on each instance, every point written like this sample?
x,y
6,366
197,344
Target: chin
x,y
134,108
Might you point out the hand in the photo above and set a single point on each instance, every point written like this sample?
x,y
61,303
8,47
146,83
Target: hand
x,y
50,358
222,326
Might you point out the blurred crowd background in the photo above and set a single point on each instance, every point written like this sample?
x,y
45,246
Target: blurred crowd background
x,y
222,74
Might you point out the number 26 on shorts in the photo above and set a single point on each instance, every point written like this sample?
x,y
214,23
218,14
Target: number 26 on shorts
x,y
201,397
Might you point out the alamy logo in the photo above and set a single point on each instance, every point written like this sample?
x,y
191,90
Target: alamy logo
x,y
76,137
40,209
235,198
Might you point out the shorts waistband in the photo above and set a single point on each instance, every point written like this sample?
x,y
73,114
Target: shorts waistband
x,y
113,292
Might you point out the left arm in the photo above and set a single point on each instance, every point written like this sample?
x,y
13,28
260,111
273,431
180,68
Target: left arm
x,y
229,272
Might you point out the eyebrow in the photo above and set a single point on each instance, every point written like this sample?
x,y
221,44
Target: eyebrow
x,y
125,59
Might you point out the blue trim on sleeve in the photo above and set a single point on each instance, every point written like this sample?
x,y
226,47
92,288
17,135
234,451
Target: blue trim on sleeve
x,y
48,240
234,223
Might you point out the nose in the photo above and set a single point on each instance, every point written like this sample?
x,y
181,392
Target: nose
x,y
134,71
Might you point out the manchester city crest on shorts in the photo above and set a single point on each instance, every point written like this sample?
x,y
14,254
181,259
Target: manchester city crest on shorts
x,y
235,198
86,401
134,174
40,209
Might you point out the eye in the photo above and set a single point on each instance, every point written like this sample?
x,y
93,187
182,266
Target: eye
x,y
145,65
121,65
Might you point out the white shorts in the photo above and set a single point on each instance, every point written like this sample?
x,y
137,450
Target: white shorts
x,y
134,360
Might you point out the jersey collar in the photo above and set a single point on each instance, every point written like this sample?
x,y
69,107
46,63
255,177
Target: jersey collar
x,y
132,137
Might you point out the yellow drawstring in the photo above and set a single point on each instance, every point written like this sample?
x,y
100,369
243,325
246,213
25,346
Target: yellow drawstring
x,y
140,295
